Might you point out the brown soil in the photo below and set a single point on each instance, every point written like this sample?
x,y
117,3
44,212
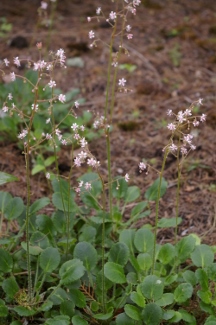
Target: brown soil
x,y
174,50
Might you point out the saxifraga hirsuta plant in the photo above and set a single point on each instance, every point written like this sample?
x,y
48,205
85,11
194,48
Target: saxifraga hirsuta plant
x,y
84,263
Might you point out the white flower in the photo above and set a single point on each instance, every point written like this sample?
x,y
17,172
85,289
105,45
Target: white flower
x,y
126,177
112,15
52,83
91,34
76,103
122,82
62,98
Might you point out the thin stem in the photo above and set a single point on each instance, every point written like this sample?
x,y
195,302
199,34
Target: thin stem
x,y
157,208
177,194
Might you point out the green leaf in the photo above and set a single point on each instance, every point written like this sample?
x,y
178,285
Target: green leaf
x,y
37,169
133,193
139,207
6,261
95,183
166,253
106,316
77,320
114,272
71,271
127,237
33,250
10,286
24,311
169,222
67,308
190,277
77,297
64,201
49,161
75,62
152,192
5,198
202,278
152,287
144,240
3,309
39,239
145,261
58,320
165,300
205,296
187,317
202,256
184,248
132,311
87,254
152,314
14,208
6,178
58,296
39,204
45,224
183,292
138,299
49,259
123,319
119,253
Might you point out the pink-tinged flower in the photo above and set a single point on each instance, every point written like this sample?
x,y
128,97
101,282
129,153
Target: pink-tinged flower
x,y
39,45
10,97
187,112
48,120
171,126
188,138
126,177
17,61
180,117
77,162
142,166
48,175
128,28
64,142
122,82
98,10
82,128
183,150
76,136
199,102
13,76
88,186
82,155
89,19
169,112
80,183
196,123
5,109
62,98
23,134
113,15
6,62
74,127
52,83
77,104
173,147
44,5
115,64
35,107
136,2
92,162
203,118
193,147
129,36
83,142
48,136
91,34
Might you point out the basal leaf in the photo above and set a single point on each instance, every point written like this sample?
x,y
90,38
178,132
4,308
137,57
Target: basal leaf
x,y
183,292
202,256
119,253
39,204
152,287
133,193
144,240
87,254
10,286
114,272
132,312
14,208
152,314
49,259
6,178
6,261
152,192
71,271
3,309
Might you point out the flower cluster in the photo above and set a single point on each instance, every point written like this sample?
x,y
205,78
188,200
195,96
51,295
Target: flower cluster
x,y
86,185
183,120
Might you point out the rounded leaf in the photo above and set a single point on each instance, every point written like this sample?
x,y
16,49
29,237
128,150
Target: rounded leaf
x,y
133,193
49,259
3,309
87,254
152,192
10,286
114,272
6,261
77,320
71,271
166,253
132,312
152,314
152,287
14,208
119,253
202,256
183,292
144,240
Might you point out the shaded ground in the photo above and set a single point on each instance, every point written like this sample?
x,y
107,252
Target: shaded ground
x,y
174,50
